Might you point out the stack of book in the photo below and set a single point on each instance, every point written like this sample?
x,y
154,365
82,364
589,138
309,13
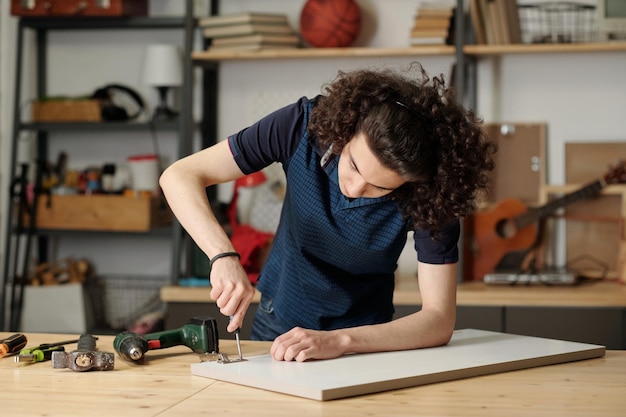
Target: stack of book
x,y
248,32
432,24
495,22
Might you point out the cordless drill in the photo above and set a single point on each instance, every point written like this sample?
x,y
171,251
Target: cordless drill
x,y
199,334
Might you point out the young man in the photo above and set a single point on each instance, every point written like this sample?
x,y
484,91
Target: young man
x,y
377,155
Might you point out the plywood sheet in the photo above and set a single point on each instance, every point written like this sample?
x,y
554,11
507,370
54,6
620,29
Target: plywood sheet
x,y
470,353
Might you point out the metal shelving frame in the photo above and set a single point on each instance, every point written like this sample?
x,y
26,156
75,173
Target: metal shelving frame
x,y
17,250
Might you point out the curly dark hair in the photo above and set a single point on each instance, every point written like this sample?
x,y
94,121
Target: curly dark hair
x,y
416,128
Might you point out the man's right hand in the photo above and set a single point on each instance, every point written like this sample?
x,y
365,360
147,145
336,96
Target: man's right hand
x,y
231,290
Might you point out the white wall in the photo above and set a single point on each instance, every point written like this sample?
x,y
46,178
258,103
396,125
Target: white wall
x,y
580,96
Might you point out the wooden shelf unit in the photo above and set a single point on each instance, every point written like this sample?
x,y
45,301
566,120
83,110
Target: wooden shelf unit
x,y
487,50
200,57
318,53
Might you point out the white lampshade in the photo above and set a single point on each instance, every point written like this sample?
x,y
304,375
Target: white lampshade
x,y
163,66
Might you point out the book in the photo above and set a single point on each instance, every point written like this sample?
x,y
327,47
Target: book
x,y
239,18
502,21
495,21
257,38
430,40
434,22
488,21
435,9
476,15
251,47
434,12
428,33
514,21
245,29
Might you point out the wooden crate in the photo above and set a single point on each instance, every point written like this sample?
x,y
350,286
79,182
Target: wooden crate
x,y
79,8
102,213
67,111
594,231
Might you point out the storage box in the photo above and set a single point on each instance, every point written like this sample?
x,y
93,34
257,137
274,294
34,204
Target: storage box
x,y
102,213
79,8
67,111
56,309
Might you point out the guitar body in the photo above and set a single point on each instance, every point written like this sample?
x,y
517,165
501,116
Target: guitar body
x,y
491,242
510,227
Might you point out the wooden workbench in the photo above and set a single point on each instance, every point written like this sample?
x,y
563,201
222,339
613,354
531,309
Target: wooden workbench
x,y
163,386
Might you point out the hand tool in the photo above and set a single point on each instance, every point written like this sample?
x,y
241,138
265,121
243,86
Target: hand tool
x,y
85,357
199,334
42,352
238,341
12,344
38,354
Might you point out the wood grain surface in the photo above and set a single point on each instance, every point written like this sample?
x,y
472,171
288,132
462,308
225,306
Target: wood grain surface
x,y
165,387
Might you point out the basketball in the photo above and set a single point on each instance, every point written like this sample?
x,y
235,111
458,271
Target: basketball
x,y
330,23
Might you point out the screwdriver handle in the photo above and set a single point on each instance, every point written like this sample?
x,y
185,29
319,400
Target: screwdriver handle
x,y
12,344
37,354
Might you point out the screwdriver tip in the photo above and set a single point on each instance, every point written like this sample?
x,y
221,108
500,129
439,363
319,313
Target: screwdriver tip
x,y
24,359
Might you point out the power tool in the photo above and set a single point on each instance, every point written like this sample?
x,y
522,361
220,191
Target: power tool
x,y
199,334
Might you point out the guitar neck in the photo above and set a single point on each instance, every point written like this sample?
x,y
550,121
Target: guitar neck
x,y
535,214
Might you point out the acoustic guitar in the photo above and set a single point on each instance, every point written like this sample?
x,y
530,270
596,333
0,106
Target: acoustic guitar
x,y
512,227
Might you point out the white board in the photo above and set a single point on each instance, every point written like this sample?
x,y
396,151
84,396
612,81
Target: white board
x,y
469,353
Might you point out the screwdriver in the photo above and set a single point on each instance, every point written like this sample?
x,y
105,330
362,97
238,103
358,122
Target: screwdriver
x,y
12,344
238,342
37,354
42,352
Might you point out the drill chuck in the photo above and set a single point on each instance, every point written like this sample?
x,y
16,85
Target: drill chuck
x,y
130,346
135,353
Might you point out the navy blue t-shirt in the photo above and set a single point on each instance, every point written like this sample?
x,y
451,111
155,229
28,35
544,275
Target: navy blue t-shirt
x,y
333,259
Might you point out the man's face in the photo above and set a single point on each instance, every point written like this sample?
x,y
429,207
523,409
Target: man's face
x,y
361,174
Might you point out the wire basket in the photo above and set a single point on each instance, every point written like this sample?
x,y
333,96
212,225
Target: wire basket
x,y
558,22
119,301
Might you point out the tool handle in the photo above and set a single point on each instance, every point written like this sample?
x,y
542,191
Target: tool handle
x,y
37,354
47,353
87,342
12,344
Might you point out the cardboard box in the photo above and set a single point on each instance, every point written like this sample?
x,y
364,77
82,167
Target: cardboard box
x,y
67,111
102,213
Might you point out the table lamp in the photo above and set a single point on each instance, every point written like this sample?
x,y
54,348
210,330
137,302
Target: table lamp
x,y
162,70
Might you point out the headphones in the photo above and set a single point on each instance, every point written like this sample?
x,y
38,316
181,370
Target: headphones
x,y
110,110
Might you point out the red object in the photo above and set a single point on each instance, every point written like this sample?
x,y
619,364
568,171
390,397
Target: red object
x,y
154,344
79,8
143,157
330,23
247,240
